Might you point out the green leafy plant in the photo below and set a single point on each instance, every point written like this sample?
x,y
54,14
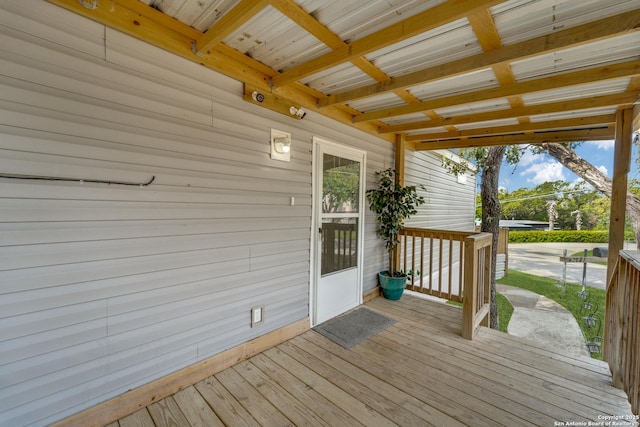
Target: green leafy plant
x,y
393,203
583,236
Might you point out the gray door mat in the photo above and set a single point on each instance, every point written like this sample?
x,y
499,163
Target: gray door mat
x,y
354,327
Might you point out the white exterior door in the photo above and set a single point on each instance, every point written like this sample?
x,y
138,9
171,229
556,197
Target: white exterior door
x,y
338,219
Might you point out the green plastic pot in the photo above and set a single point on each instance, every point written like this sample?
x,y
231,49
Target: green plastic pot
x,y
392,287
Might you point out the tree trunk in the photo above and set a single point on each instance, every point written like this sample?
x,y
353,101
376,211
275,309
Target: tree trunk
x,y
597,179
491,215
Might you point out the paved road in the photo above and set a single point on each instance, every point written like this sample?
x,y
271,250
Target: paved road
x,y
543,259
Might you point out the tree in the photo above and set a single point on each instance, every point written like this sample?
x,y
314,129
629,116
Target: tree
x,y
491,216
532,203
585,170
553,213
340,187
489,161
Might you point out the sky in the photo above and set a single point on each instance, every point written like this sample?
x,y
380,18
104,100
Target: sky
x,y
535,169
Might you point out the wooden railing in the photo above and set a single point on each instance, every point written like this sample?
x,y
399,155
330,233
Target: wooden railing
x,y
453,265
622,327
476,309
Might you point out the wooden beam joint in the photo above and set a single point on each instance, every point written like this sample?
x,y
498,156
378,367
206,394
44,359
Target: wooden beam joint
x,y
274,102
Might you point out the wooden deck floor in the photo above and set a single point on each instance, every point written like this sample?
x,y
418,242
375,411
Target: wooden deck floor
x,y
418,372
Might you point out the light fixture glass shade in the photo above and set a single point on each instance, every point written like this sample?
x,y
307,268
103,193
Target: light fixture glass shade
x,y
282,145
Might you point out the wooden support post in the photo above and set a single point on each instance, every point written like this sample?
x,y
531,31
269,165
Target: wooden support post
x,y
621,164
470,302
399,167
401,146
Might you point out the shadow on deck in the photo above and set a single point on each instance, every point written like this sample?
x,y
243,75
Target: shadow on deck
x,y
418,372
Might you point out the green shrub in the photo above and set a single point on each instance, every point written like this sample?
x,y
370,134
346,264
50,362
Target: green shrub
x,y
559,236
565,236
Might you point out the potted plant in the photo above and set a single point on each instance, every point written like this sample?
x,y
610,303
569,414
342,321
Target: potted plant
x,y
392,203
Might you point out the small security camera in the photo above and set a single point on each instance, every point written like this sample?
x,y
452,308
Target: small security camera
x,y
257,96
298,112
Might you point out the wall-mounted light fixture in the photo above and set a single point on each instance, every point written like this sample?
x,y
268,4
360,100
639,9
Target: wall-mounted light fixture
x,y
280,145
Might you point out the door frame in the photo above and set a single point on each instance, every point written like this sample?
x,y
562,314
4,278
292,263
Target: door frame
x,y
320,146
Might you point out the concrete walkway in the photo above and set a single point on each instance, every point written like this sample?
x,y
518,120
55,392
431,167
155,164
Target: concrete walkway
x,y
544,322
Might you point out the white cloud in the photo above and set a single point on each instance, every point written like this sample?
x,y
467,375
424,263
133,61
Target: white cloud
x,y
528,158
603,145
543,172
603,169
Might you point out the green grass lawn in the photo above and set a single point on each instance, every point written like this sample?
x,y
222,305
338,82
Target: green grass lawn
x,y
505,310
569,300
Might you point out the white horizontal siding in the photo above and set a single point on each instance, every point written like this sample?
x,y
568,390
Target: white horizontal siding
x,y
449,204
107,287
501,263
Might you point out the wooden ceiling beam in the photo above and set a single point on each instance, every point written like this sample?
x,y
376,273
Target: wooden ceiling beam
x,y
580,104
486,32
314,27
434,17
603,120
591,75
300,16
228,23
485,29
601,29
152,26
530,138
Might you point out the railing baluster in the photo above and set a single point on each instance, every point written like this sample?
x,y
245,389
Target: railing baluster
x,y
430,262
413,259
450,267
460,269
421,262
622,326
404,261
440,264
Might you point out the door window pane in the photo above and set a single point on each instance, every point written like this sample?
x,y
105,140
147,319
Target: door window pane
x,y
339,244
340,185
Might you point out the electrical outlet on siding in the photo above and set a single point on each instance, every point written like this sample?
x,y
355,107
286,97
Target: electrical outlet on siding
x,y
257,315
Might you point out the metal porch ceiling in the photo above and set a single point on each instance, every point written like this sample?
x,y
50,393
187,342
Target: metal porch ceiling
x,y
434,70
